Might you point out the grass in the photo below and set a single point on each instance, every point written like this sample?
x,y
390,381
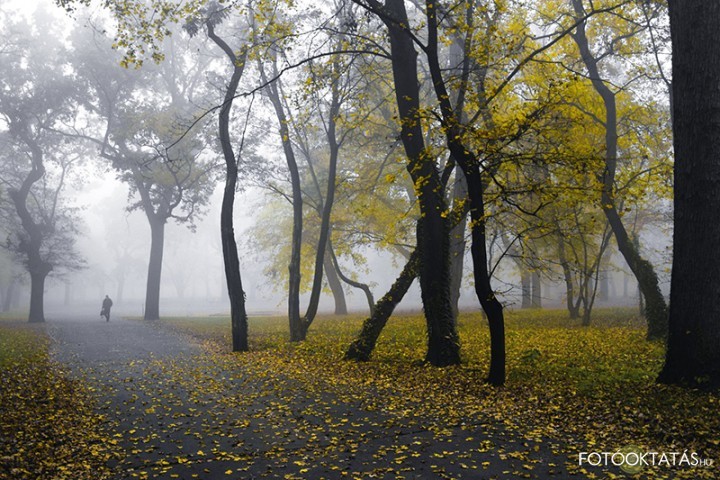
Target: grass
x,y
48,428
539,343
570,389
587,388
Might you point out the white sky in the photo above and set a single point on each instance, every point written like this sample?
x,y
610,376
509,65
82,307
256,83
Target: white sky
x,y
27,6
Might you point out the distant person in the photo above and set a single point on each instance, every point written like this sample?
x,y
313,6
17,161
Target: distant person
x,y
105,312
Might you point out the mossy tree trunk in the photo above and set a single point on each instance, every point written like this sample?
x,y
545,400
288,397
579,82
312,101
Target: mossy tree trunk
x,y
361,348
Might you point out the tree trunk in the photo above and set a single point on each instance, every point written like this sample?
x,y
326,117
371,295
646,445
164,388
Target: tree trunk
x,y
536,288
9,294
298,329
573,309
152,291
351,282
180,285
476,192
457,244
324,237
461,63
15,299
604,288
525,287
120,288
38,274
335,286
693,356
656,310
231,261
236,294
37,267
586,317
443,347
483,289
655,306
625,285
364,344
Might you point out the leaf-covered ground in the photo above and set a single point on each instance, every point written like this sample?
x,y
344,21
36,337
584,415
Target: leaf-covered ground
x,y
570,389
48,427
176,410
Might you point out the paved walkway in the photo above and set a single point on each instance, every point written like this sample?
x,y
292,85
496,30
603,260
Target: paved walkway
x,y
181,412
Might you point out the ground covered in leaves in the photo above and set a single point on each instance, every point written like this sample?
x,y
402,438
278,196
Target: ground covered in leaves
x,y
570,389
49,428
164,400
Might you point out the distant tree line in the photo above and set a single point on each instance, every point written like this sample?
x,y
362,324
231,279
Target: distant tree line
x,y
541,128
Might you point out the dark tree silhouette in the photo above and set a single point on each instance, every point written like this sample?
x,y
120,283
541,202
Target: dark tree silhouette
x,y
693,353
214,15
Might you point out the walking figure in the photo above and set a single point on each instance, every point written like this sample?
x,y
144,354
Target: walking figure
x,y
105,312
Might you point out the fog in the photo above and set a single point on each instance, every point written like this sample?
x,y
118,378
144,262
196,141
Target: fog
x,y
115,246
114,242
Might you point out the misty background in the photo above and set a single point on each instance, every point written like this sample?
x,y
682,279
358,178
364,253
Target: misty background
x,y
113,240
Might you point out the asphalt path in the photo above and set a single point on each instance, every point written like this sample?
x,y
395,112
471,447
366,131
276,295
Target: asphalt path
x,y
179,411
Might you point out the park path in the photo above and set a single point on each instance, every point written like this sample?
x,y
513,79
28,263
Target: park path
x,y
180,411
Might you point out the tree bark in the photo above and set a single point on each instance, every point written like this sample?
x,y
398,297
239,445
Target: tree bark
x,y
573,309
231,261
536,289
30,246
361,348
470,166
525,287
152,290
38,275
362,286
604,287
483,289
433,234
328,201
693,353
9,294
335,286
457,244
298,329
460,63
120,279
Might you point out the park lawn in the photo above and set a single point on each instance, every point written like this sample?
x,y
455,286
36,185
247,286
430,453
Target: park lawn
x,y
588,389
48,428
